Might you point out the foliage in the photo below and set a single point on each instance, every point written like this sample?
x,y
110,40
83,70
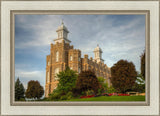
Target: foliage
x,y
67,80
55,96
89,92
111,89
101,79
123,75
143,65
104,86
87,80
68,96
67,83
140,84
77,92
19,90
34,90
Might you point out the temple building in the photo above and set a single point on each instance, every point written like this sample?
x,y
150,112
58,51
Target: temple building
x,y
63,55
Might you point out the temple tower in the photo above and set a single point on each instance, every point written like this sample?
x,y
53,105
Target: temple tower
x,y
62,32
98,54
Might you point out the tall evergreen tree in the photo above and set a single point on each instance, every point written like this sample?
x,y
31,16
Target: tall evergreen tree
x,y
19,90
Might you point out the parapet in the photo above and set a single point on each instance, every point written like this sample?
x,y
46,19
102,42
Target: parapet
x,y
51,44
86,56
91,58
71,47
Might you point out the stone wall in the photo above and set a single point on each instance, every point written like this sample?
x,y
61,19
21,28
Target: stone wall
x,y
65,52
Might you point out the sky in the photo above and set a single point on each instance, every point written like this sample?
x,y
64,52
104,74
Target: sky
x,y
119,37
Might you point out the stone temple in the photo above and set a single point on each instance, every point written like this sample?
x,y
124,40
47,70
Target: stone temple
x,y
63,55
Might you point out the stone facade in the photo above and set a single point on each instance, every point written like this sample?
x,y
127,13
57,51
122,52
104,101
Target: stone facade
x,y
62,54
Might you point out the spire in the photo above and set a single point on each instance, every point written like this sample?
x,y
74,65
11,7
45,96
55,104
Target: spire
x,y
62,33
98,54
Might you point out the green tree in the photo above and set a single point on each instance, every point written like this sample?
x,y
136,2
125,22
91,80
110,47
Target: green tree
x,y
87,80
102,85
67,82
34,90
19,90
123,75
139,84
143,65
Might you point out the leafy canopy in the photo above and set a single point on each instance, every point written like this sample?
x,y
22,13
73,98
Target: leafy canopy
x,y
34,90
67,80
87,80
123,75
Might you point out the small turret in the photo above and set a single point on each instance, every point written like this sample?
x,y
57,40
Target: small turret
x,y
62,32
98,54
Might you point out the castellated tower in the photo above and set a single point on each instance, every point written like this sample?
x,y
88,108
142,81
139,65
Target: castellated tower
x,y
63,55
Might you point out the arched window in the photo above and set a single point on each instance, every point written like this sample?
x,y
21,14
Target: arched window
x,y
57,56
97,54
48,77
55,73
61,34
79,70
71,58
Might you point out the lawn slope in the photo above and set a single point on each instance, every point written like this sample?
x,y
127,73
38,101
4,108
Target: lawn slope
x,y
112,98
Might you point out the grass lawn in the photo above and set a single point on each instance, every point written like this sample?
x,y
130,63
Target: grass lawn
x,y
112,98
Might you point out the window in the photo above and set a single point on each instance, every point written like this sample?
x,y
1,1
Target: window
x,y
79,70
57,56
79,59
47,77
71,58
48,62
97,54
55,73
61,34
58,35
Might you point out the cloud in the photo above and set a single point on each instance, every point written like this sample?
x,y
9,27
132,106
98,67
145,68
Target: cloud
x,y
26,76
119,36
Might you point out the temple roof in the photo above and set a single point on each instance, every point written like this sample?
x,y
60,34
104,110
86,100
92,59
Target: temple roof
x,y
62,27
98,48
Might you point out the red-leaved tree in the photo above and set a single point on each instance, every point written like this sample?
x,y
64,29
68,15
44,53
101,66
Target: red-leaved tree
x,y
123,75
87,80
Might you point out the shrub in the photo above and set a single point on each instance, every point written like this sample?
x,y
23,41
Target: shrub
x,y
64,97
111,89
55,96
89,92
69,95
